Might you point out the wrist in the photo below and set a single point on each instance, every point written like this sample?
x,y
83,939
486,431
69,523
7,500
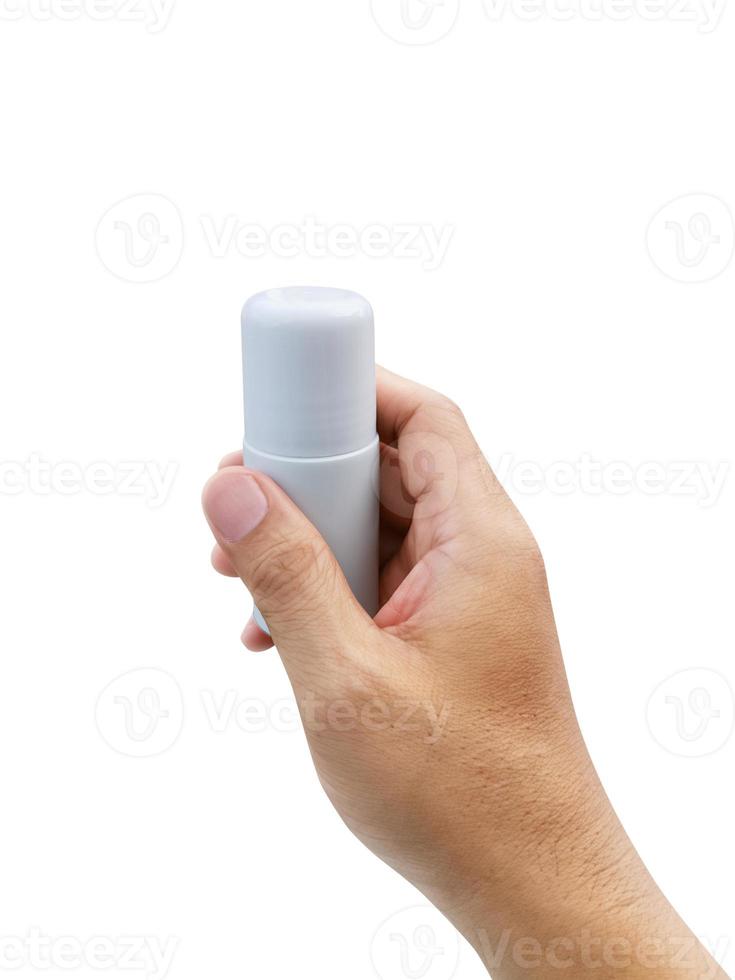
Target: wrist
x,y
561,891
581,906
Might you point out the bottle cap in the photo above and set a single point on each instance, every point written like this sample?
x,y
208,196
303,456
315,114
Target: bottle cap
x,y
309,370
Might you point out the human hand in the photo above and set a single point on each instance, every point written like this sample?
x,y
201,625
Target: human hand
x,y
443,731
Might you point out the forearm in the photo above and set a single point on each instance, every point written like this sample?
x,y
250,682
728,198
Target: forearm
x,y
649,942
645,939
569,896
533,866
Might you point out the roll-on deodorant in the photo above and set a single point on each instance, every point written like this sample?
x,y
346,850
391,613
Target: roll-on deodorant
x,y
310,417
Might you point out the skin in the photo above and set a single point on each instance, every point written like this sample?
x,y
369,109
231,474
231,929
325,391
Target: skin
x,y
443,730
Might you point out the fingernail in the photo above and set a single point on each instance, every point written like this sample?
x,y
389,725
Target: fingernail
x,y
235,505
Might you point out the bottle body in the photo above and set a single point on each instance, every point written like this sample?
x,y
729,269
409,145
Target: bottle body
x,y
339,495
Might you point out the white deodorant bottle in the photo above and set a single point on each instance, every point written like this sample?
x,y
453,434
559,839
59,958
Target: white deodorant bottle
x,y
310,417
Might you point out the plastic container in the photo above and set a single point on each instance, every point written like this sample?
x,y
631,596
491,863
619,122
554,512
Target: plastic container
x,y
310,411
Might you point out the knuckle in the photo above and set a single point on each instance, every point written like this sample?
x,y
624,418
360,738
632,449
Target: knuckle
x,y
535,560
529,559
290,569
449,409
514,541
524,544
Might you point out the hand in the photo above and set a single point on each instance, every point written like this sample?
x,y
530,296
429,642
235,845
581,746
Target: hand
x,y
443,731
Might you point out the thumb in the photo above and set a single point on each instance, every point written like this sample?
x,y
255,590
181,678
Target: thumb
x,y
285,564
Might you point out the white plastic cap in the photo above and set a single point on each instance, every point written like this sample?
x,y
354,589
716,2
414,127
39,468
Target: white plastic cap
x,y
309,370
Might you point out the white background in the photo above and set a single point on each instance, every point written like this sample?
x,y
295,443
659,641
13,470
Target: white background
x,y
568,318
